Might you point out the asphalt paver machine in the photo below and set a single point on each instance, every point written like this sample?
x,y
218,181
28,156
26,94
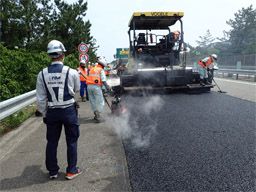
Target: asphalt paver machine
x,y
157,58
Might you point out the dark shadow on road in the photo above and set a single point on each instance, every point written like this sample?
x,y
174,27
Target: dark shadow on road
x,y
86,120
30,176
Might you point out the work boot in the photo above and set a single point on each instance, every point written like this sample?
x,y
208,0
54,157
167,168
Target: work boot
x,y
202,83
97,116
206,81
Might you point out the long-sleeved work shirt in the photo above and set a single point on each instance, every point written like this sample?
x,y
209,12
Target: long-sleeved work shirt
x,y
41,92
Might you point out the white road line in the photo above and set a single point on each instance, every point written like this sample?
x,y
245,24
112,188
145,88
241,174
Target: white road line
x,y
236,81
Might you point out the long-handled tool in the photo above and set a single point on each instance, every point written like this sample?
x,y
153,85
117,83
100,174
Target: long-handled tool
x,y
116,106
107,102
220,91
82,75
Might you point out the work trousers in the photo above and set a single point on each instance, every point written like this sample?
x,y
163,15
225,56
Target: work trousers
x,y
210,75
96,98
202,72
55,119
83,87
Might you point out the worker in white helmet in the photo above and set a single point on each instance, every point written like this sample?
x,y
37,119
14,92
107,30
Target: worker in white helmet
x,y
96,79
83,71
56,87
206,69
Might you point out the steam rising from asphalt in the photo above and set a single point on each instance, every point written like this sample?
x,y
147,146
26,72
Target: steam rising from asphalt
x,y
128,126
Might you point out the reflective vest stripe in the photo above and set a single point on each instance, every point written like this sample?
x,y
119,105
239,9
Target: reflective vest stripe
x,y
64,103
93,77
56,85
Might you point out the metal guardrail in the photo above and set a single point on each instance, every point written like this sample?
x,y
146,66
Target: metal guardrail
x,y
15,104
238,72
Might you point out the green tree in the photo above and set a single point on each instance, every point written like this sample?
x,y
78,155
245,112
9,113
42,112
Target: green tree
x,y
205,45
11,33
242,36
30,24
206,40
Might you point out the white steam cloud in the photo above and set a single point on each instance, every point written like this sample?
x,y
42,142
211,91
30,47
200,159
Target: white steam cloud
x,y
130,130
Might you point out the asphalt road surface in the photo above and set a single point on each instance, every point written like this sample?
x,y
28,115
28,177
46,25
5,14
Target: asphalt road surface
x,y
190,142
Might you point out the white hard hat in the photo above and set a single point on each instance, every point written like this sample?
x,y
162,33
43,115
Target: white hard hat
x,y
102,61
55,48
214,56
82,62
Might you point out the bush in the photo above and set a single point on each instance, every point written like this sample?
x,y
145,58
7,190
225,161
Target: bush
x,y
19,69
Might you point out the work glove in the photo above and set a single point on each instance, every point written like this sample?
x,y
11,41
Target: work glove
x,y
108,88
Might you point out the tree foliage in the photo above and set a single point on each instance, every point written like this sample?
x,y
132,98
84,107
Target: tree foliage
x,y
31,24
26,28
19,69
206,40
242,35
205,45
240,39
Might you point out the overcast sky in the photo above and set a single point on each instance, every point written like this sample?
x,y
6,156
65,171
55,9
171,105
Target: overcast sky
x,y
110,18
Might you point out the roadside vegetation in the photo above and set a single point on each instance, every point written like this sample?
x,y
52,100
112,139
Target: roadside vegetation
x,y
16,119
239,40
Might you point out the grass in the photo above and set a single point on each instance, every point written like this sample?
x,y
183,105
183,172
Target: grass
x,y
15,120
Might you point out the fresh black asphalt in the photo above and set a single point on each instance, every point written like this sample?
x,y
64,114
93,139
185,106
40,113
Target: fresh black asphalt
x,y
191,142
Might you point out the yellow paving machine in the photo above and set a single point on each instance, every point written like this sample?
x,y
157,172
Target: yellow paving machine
x,y
157,53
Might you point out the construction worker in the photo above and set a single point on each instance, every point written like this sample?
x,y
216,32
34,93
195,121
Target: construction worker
x,y
107,70
176,37
206,66
55,91
173,40
213,66
82,70
95,80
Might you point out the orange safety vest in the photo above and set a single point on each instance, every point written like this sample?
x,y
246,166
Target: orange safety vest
x,y
93,77
207,63
84,72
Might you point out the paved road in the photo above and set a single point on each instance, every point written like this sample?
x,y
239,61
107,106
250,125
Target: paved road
x,y
236,88
100,155
175,142
182,142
